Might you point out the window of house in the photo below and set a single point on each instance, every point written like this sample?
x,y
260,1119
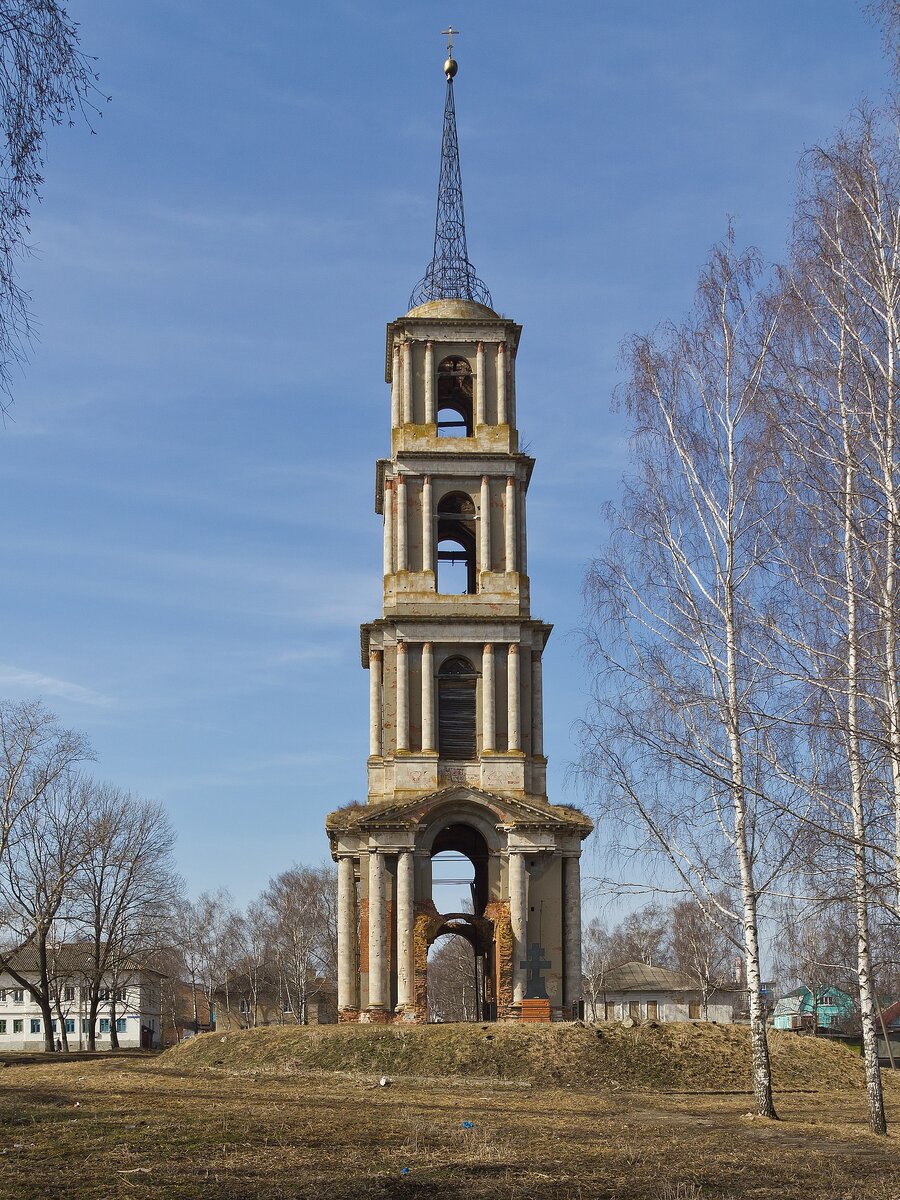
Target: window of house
x,y
53,1025
827,1000
2,1025
35,1025
286,1006
652,1010
18,995
634,1008
457,734
70,1024
18,1026
103,995
454,398
120,1025
2,995
68,994
244,1006
609,1010
694,1010
104,1025
85,1026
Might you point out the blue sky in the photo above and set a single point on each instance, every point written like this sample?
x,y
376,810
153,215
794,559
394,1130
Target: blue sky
x,y
189,542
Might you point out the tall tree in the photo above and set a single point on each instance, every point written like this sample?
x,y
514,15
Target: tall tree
x,y
836,413
35,887
45,80
302,907
35,753
675,742
121,892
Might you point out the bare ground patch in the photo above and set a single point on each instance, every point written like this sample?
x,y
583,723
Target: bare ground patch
x,y
139,1128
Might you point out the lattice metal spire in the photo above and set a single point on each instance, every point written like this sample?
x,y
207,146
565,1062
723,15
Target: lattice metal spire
x,y
450,275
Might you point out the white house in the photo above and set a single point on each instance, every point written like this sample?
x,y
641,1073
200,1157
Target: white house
x,y
646,993
137,1005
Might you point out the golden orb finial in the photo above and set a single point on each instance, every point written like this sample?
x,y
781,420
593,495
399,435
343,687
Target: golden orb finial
x,y
451,66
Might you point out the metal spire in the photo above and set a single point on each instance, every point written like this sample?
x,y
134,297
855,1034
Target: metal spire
x,y
450,275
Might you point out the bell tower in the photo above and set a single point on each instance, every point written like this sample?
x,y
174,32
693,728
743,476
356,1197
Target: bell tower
x,y
456,754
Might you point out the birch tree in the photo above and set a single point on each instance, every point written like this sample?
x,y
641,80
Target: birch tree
x,y
836,411
675,744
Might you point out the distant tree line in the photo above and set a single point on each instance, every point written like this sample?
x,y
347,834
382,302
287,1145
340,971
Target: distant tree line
x,y
744,622
274,957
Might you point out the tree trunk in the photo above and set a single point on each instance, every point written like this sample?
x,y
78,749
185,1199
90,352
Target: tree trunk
x,y
113,1032
877,1118
63,1032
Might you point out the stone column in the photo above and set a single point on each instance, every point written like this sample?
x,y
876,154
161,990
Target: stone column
x,y
572,929
429,383
513,721
488,733
396,385
518,915
502,415
347,978
523,536
402,561
511,390
377,932
406,917
427,534
485,527
388,527
402,697
375,717
407,382
510,524
537,703
479,384
428,697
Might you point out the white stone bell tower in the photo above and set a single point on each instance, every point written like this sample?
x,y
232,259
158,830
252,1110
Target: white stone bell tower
x,y
456,753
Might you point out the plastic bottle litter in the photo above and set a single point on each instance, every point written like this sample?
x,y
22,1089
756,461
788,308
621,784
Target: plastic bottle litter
x,y
468,1124
384,1081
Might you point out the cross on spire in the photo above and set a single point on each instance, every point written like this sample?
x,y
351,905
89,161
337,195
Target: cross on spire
x,y
450,275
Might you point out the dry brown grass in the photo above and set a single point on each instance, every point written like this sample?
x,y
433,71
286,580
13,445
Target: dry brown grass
x,y
134,1127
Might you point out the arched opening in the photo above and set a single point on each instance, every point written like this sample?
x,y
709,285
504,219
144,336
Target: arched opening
x,y
456,545
457,733
454,398
454,986
461,854
460,982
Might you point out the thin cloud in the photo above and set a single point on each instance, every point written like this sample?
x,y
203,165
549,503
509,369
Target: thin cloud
x,y
34,683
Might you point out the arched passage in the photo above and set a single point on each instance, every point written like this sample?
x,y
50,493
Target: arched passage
x,y
456,545
454,398
460,955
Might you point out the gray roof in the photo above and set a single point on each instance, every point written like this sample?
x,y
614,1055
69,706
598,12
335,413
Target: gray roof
x,y
67,959
640,977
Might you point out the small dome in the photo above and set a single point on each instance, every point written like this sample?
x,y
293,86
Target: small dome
x,y
455,309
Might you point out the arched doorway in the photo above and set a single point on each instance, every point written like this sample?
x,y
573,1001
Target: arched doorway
x,y
454,979
460,967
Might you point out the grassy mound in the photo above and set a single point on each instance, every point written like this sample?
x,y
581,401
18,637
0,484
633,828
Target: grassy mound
x,y
677,1057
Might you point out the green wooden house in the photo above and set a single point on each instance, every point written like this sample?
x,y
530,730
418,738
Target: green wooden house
x,y
826,1008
